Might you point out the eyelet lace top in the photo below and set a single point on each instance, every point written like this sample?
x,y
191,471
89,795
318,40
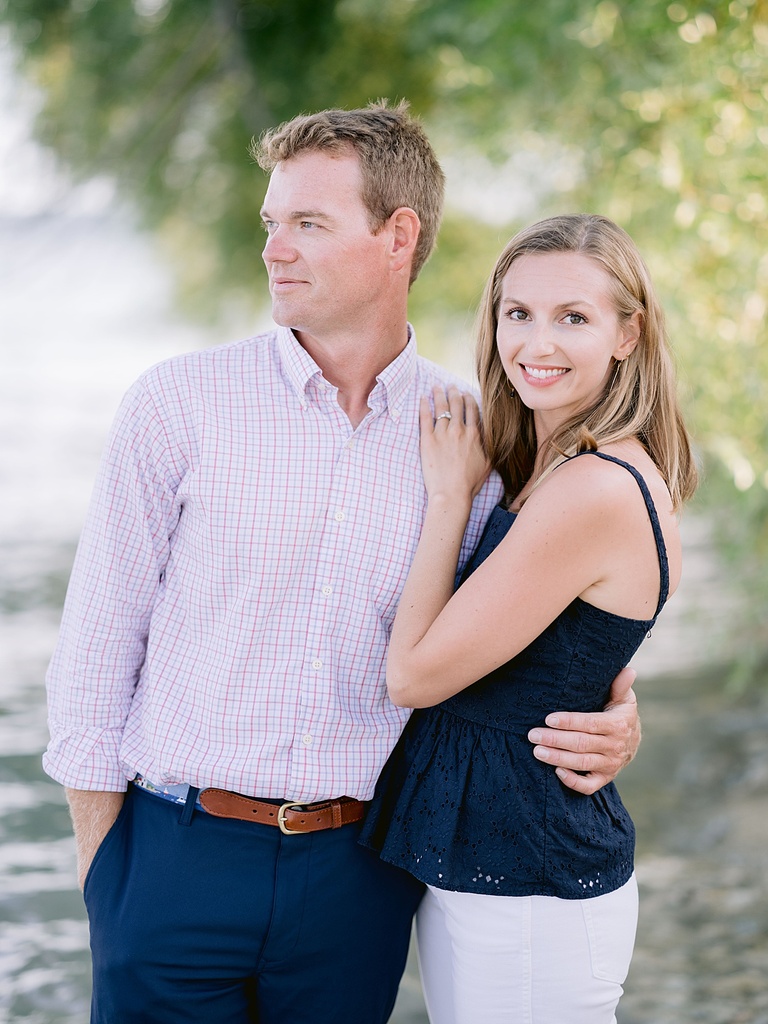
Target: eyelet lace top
x,y
464,805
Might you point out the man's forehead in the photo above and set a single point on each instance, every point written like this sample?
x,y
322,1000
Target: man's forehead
x,y
319,162
313,183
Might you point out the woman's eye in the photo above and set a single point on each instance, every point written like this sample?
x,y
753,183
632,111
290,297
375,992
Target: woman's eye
x,y
575,318
516,314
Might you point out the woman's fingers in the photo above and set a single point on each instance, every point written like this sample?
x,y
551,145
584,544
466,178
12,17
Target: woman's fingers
x,y
452,455
471,411
453,416
441,404
454,406
426,419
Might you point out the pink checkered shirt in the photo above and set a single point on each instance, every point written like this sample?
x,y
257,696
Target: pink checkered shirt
x,y
234,589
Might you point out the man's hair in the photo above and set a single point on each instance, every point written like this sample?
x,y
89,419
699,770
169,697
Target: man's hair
x,y
398,164
640,399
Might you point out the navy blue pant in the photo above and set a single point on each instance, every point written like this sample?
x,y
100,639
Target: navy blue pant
x,y
217,921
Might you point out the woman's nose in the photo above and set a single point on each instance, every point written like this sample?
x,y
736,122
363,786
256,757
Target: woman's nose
x,y
540,341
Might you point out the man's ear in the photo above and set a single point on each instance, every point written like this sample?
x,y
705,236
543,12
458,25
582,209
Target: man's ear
x,y
631,331
404,225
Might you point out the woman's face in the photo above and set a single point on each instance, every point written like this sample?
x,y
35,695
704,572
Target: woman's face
x,y
559,333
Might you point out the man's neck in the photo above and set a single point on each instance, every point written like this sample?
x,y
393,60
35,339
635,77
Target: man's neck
x,y
353,363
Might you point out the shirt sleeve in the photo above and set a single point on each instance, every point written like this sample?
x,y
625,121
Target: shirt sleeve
x,y
117,573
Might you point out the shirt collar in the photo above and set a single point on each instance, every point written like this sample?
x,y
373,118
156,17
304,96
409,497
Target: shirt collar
x,y
299,365
395,378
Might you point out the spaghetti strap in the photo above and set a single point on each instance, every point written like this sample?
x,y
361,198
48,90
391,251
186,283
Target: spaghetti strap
x,y
661,547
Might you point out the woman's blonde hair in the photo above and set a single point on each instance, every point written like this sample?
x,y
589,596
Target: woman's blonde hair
x,y
640,398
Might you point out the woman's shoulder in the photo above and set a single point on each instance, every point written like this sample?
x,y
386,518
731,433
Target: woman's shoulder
x,y
585,482
602,496
633,454
597,480
605,505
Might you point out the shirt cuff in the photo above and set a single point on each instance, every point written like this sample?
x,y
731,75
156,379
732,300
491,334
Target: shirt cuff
x,y
87,760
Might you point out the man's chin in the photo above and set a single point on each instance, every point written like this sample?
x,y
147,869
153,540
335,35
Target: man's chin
x,y
287,314
283,317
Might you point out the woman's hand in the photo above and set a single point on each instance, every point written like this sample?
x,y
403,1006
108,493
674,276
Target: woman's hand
x,y
453,459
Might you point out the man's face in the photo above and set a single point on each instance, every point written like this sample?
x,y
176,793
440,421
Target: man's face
x,y
325,265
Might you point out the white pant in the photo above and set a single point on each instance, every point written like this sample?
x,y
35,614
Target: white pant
x,y
527,959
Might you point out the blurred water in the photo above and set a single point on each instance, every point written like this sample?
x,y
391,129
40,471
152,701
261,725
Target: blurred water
x,y
82,314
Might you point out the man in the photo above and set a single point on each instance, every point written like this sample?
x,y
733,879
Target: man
x,y
223,643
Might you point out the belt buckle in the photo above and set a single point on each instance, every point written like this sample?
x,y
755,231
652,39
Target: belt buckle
x,y
289,805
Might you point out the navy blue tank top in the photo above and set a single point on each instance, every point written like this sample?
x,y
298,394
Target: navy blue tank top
x,y
464,805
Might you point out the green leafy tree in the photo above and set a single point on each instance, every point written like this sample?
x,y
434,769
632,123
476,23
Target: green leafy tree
x,y
654,113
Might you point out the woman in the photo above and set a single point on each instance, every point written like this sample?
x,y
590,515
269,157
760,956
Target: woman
x,y
531,907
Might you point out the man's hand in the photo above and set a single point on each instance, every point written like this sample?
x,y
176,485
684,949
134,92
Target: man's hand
x,y
93,815
598,744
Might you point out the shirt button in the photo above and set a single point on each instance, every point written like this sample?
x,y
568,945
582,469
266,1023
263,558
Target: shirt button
x,y
339,517
316,663
306,740
326,590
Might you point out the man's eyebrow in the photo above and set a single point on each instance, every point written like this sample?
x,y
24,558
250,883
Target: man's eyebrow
x,y
300,215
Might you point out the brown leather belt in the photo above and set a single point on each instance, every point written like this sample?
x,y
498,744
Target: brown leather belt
x,y
289,817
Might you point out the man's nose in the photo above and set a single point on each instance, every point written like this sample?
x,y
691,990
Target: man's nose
x,y
277,248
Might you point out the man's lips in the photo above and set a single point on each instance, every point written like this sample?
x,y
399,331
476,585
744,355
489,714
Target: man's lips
x,y
284,283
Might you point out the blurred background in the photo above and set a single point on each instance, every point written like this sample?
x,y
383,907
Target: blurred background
x,y
129,231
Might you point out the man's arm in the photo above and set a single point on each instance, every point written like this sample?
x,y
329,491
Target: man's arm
x,y
598,744
93,815
121,559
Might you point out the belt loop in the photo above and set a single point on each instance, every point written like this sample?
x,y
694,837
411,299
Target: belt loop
x,y
336,811
188,810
